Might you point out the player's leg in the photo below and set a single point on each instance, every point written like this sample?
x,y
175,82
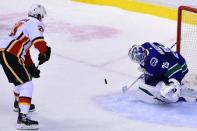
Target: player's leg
x,y
17,74
16,91
24,102
147,93
153,80
11,78
10,64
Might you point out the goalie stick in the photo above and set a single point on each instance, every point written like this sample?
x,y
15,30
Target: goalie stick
x,y
126,88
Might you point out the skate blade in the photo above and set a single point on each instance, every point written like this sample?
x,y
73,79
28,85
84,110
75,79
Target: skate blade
x,y
25,127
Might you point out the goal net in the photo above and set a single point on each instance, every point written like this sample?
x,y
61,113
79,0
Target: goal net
x,y
187,39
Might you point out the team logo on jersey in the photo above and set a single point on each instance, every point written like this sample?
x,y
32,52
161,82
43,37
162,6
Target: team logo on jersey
x,y
40,28
153,62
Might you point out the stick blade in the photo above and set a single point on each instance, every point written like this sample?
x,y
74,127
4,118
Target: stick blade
x,y
124,89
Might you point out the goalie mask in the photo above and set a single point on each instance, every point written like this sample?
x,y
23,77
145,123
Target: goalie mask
x,y
37,11
137,54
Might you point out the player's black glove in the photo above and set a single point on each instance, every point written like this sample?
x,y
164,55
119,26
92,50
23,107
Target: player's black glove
x,y
44,57
33,71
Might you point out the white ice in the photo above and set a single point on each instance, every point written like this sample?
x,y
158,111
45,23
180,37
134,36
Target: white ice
x,y
89,44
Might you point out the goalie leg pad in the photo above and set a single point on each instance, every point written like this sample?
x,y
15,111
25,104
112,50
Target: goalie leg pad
x,y
149,94
189,94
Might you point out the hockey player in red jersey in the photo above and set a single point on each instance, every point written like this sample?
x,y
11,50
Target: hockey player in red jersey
x,y
17,63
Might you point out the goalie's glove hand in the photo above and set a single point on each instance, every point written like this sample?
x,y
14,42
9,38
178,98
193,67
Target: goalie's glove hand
x,y
33,71
44,57
171,91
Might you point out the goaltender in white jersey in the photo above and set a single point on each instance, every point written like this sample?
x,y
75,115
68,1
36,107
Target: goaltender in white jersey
x,y
17,63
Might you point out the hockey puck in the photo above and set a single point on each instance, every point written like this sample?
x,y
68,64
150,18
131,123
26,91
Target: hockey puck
x,y
105,81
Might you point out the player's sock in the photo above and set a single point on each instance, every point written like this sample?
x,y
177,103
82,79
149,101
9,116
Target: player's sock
x,y
31,108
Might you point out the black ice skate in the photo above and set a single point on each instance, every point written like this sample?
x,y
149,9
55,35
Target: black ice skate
x,y
24,123
31,108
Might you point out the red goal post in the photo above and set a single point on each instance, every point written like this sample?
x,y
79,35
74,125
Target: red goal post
x,y
187,38
180,21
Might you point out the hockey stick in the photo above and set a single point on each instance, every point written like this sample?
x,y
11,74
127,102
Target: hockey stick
x,y
126,88
173,45
38,65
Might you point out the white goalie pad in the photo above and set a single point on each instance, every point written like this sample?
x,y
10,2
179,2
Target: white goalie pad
x,y
189,92
190,80
148,94
153,95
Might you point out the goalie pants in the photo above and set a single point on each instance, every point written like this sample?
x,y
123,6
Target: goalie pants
x,y
14,68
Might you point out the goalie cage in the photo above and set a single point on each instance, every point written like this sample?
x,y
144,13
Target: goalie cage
x,y
187,40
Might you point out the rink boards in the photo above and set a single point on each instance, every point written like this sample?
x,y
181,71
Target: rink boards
x,y
137,6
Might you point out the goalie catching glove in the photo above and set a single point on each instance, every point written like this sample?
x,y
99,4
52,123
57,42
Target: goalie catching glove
x,y
45,56
171,91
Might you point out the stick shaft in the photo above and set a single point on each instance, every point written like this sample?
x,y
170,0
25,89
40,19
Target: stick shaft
x,y
126,88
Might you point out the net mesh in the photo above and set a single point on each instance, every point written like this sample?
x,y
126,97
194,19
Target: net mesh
x,y
188,43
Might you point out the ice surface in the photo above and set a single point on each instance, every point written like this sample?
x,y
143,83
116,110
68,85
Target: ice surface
x,y
126,105
70,94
